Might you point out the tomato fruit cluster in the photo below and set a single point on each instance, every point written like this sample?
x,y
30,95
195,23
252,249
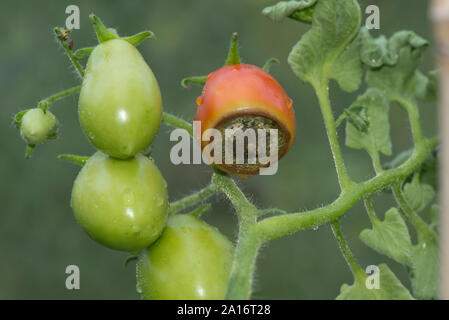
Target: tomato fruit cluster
x,y
120,197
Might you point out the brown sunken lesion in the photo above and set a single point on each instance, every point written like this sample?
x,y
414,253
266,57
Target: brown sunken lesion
x,y
251,121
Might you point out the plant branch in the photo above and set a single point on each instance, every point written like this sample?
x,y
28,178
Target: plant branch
x,y
322,93
193,199
418,223
176,122
345,250
45,103
370,210
282,225
240,283
73,59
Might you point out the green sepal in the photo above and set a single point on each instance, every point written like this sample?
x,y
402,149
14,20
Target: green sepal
x,y
103,33
266,67
79,160
233,54
138,38
82,52
18,118
199,80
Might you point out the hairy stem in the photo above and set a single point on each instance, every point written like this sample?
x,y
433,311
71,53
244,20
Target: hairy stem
x,y
45,103
418,223
240,282
279,226
370,210
193,199
243,266
73,59
176,122
345,250
322,93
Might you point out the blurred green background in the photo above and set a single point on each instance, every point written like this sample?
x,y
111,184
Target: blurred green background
x,y
39,236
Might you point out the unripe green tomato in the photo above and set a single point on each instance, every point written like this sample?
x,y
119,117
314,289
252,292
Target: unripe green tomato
x,y
122,204
38,126
120,105
191,260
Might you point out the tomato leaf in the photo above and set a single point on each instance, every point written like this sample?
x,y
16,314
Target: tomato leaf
x,y
394,70
425,269
390,288
418,195
330,49
390,237
376,137
301,10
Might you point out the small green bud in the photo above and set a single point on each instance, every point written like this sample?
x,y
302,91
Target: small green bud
x,y
37,126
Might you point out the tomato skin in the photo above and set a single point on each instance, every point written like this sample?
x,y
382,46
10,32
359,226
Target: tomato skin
x,y
37,126
120,104
243,90
191,260
121,204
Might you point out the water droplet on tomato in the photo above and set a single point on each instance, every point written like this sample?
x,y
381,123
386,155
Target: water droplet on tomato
x,y
199,100
129,198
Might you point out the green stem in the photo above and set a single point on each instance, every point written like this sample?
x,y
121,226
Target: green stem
x,y
246,211
340,119
370,210
72,57
240,282
199,211
176,122
243,266
279,226
345,250
418,223
377,165
45,103
322,93
193,199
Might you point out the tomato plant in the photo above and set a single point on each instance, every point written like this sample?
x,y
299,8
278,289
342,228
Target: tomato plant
x,y
120,111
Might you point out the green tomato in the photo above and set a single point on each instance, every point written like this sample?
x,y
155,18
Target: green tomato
x,y
37,126
122,204
120,105
191,260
